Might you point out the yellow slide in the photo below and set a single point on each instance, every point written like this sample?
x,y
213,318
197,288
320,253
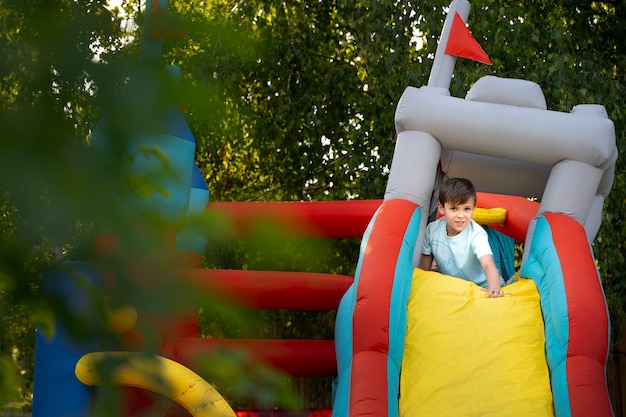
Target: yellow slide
x,y
467,355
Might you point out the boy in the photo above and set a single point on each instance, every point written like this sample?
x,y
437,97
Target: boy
x,y
458,244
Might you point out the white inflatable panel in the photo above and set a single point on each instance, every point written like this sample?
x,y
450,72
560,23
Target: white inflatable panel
x,y
413,168
594,219
567,190
491,89
496,175
505,131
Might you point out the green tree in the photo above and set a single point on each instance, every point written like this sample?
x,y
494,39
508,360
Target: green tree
x,y
47,107
311,115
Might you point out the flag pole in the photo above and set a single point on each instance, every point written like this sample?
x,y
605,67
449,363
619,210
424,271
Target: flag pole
x,y
443,65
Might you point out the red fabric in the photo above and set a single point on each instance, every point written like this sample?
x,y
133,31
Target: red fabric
x,y
371,312
588,320
348,219
298,358
315,412
369,385
462,43
368,388
330,219
272,290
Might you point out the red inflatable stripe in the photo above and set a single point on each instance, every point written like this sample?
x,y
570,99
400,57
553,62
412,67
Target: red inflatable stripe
x,y
588,320
273,290
330,219
299,358
369,387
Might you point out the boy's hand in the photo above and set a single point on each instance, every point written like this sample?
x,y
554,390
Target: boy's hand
x,y
495,292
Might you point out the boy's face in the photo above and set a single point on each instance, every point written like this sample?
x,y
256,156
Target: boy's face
x,y
457,216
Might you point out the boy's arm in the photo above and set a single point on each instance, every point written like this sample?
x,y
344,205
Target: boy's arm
x,y
493,277
426,262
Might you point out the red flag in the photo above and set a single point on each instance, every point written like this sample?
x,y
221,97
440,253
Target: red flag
x,y
462,43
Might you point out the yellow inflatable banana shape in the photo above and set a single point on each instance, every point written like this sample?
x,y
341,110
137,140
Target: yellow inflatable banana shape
x,y
157,374
489,216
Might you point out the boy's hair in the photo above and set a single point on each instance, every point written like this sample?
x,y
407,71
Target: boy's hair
x,y
456,191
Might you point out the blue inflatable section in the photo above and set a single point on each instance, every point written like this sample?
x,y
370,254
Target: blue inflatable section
x,y
544,267
58,392
194,239
165,162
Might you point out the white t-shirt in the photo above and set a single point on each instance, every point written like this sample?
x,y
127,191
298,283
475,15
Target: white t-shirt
x,y
458,255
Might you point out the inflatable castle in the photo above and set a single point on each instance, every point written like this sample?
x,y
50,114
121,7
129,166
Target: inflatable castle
x,y
407,342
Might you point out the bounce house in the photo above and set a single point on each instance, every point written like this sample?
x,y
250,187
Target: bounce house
x,y
407,342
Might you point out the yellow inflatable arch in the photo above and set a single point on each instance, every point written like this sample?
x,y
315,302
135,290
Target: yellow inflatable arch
x,y
157,374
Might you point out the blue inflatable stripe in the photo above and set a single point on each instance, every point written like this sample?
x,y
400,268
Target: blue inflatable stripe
x,y
544,267
176,125
197,179
393,390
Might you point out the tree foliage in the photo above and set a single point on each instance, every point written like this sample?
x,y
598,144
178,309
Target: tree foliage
x,y
47,108
288,100
313,100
